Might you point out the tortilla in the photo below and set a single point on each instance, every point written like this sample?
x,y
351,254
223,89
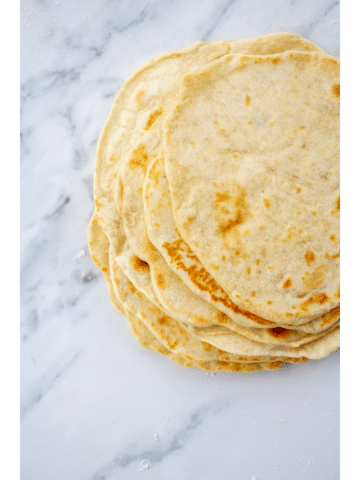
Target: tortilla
x,y
252,160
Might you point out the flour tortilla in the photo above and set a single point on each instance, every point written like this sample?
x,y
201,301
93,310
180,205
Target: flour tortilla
x,y
175,298
255,183
144,97
162,231
113,186
168,330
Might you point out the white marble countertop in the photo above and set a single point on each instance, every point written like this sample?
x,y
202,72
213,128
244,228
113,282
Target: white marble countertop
x,y
94,404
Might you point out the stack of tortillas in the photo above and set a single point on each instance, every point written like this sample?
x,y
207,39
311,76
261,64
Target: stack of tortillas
x,y
216,221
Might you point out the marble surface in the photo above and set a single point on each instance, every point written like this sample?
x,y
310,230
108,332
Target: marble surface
x,y
94,404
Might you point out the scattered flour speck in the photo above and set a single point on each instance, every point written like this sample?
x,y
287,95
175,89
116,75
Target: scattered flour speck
x,y
145,465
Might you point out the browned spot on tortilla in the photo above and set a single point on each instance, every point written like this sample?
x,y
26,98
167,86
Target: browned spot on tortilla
x,y
97,203
247,100
314,213
267,202
330,317
337,294
257,261
279,332
160,281
232,209
332,238
313,280
298,190
249,122
153,117
320,298
337,255
269,302
338,204
262,227
177,251
309,257
275,60
336,90
139,158
138,264
223,258
139,96
330,60
248,270
206,346
112,158
287,283
271,124
151,250
253,294
221,317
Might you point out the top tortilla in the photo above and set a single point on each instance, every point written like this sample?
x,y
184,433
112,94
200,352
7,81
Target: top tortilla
x,y
252,160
